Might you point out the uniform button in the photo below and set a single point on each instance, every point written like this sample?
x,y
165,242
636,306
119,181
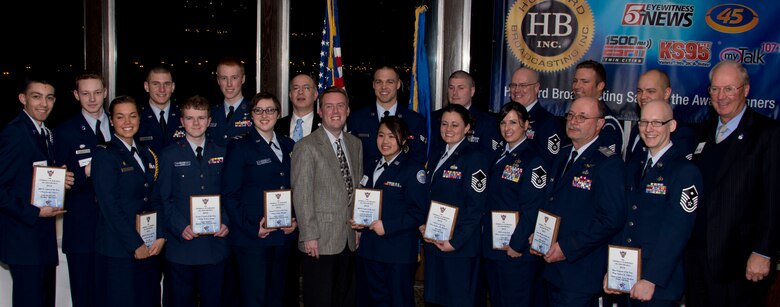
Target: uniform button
x,y
551,198
146,185
146,199
282,188
224,136
281,174
201,175
633,207
202,187
630,224
182,176
628,240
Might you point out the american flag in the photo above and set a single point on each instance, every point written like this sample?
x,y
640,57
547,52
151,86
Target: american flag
x,y
331,73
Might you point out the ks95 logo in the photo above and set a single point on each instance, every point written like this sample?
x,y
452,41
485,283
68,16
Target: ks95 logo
x,y
625,49
685,53
549,35
731,18
661,15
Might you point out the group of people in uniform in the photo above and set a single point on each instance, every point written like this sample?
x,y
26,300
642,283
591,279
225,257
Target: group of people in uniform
x,y
700,203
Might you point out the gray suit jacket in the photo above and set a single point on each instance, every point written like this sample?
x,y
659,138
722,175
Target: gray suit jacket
x,y
320,198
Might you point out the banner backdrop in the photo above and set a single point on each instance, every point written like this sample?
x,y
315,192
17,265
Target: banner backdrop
x,y
684,39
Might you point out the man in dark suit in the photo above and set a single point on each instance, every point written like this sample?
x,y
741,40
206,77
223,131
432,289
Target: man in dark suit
x,y
736,233
484,131
326,168
546,130
364,123
74,143
160,124
231,117
654,85
590,80
302,120
28,242
587,192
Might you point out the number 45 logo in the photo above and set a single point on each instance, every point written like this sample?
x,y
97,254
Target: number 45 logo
x,y
732,18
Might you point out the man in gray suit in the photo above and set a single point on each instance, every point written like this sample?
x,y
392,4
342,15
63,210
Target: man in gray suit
x,y
326,168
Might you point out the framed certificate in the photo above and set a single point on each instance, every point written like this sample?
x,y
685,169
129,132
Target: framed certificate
x,y
146,226
277,208
624,268
503,225
545,232
205,214
441,220
48,186
368,206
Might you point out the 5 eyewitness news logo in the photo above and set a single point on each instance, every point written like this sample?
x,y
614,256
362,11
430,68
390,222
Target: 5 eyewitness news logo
x,y
659,15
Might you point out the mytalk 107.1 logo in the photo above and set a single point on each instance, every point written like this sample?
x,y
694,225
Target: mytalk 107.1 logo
x,y
732,18
549,36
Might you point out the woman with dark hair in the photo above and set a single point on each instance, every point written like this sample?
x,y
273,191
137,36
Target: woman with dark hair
x,y
457,176
123,174
387,257
254,163
516,186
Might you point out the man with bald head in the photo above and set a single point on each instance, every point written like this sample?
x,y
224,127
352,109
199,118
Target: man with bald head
x,y
302,120
588,195
546,130
654,85
663,188
736,233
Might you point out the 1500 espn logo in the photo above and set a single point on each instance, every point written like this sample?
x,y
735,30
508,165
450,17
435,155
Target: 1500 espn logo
x,y
625,49
660,15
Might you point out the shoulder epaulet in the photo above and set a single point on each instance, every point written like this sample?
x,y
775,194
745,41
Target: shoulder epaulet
x,y
606,151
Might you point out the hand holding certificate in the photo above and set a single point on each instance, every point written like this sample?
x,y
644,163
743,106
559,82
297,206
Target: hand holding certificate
x,y
503,226
367,207
624,265
146,226
48,186
205,214
545,232
441,221
278,209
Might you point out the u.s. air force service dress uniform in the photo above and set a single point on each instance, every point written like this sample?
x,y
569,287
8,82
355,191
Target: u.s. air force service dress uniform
x,y
197,265
386,264
661,214
461,181
223,129
517,183
150,132
251,167
124,188
484,132
590,199
546,131
364,124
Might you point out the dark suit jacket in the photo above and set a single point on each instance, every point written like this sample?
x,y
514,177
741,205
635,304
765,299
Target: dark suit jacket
x,y
222,129
149,132
320,196
364,124
25,238
123,190
282,126
741,208
251,167
182,175
74,145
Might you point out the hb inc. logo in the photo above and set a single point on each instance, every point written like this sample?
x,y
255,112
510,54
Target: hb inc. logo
x,y
660,15
625,49
731,18
549,35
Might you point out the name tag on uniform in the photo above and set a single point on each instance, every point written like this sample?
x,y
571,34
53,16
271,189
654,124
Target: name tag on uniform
x,y
363,135
216,160
84,162
655,188
582,182
451,174
127,169
473,139
363,180
264,161
41,163
181,163
82,151
212,125
146,138
512,173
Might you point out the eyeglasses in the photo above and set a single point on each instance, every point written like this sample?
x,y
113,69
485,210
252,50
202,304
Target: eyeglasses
x,y
521,85
259,111
653,123
578,118
727,90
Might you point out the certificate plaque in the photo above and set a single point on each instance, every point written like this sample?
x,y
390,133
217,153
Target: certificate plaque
x,y
48,186
368,206
441,221
503,225
277,208
146,226
624,268
205,214
545,232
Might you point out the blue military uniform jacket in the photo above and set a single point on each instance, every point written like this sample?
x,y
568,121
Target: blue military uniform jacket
x,y
251,167
547,132
517,182
222,129
74,144
123,190
364,124
683,138
461,182
404,204
484,131
591,202
611,134
149,133
182,175
25,238
661,214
